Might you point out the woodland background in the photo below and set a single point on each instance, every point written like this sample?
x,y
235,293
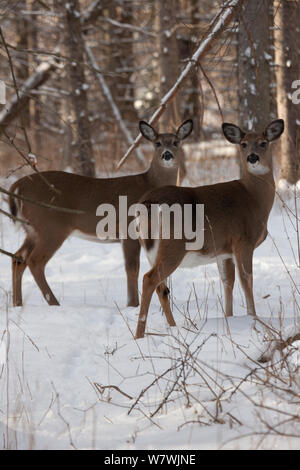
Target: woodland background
x,y
79,76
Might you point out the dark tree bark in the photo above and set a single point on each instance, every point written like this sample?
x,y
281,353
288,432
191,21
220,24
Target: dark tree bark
x,y
169,60
169,68
122,60
22,65
254,56
287,48
83,149
190,103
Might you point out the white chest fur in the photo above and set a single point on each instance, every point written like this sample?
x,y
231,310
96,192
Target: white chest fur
x,y
191,259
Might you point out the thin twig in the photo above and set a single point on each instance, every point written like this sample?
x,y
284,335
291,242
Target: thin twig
x,y
101,389
42,204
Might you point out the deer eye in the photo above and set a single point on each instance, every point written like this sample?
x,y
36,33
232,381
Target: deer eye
x,y
176,143
263,145
158,144
244,145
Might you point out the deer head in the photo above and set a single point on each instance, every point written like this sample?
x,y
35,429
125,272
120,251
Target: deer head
x,y
255,154
166,146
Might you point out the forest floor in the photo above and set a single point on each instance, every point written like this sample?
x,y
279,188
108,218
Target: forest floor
x,y
74,377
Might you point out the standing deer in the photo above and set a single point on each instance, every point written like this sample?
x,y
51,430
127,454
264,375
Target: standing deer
x,y
49,228
235,223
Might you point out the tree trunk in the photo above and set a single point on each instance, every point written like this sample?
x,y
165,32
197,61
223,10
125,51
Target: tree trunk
x,y
83,149
122,61
192,94
169,61
22,67
287,60
254,65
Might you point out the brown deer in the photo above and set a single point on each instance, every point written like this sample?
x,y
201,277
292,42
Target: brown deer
x,y
235,223
49,228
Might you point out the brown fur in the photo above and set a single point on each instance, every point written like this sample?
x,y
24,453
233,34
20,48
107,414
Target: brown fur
x,y
49,228
236,215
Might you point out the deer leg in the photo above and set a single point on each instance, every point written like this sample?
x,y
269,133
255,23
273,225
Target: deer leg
x,y
18,268
131,250
227,275
168,259
37,261
244,257
163,295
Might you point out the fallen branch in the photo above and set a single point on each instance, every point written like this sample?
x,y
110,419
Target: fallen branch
x,y
278,345
216,27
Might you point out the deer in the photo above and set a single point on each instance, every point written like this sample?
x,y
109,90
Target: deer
x,y
46,229
235,223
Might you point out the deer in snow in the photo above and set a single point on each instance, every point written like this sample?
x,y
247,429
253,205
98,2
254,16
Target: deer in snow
x,y
49,228
235,223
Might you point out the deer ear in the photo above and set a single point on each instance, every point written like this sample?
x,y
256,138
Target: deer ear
x,y
147,131
274,130
185,129
232,133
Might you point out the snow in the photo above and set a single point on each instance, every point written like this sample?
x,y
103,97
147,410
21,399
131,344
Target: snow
x,y
247,52
252,88
32,157
288,189
200,397
267,56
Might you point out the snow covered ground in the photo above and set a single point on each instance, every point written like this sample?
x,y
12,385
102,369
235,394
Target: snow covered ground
x,y
74,377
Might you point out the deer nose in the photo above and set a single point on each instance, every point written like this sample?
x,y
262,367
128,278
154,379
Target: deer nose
x,y
252,158
167,155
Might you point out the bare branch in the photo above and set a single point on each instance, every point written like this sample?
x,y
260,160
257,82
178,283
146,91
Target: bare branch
x,y
11,255
20,99
42,204
217,26
91,13
108,96
128,26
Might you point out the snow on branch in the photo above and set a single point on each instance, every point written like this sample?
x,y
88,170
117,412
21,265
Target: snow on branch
x,y
91,13
128,26
19,100
217,26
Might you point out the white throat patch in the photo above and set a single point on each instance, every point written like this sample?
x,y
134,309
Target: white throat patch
x,y
168,163
257,168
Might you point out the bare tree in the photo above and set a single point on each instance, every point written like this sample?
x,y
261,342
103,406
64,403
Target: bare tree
x,y
169,58
254,64
22,65
287,45
121,58
83,148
